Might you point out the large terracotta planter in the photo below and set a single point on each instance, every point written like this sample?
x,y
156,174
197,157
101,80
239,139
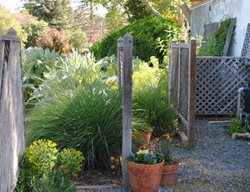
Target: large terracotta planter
x,y
169,175
144,177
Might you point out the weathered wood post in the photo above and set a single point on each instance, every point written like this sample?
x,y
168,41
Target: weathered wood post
x,y
11,110
126,85
191,91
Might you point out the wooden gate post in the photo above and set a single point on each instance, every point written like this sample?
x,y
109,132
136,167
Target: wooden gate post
x,y
11,110
191,91
127,105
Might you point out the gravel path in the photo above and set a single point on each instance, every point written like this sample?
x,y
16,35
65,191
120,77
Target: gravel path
x,y
217,163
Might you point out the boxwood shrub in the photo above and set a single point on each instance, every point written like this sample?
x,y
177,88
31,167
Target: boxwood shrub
x,y
145,33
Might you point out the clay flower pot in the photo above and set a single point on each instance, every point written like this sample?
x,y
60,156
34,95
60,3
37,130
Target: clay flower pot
x,y
143,138
145,177
147,137
169,175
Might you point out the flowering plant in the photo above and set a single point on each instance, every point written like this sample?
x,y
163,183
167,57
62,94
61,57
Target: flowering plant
x,y
144,157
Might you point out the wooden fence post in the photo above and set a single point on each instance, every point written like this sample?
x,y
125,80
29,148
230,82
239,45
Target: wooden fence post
x,y
11,110
127,105
191,91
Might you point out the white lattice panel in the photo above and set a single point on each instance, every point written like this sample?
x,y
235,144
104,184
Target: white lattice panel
x,y
217,82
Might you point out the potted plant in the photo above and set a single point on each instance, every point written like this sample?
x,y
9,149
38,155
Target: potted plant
x,y
171,164
145,170
142,134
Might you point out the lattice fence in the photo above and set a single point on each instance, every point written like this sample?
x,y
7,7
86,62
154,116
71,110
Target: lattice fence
x,y
217,82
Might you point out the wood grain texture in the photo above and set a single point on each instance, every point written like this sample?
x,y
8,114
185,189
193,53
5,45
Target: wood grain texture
x,y
11,113
127,105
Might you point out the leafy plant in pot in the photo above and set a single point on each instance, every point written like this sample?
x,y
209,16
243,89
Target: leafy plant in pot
x,y
171,164
145,170
142,134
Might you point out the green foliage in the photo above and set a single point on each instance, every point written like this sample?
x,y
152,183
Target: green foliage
x,y
92,116
236,126
54,181
41,168
114,19
36,62
26,177
216,40
34,31
136,9
8,20
68,74
165,148
150,98
78,39
70,161
145,33
42,155
55,39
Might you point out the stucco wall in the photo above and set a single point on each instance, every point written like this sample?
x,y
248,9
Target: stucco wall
x,y
216,10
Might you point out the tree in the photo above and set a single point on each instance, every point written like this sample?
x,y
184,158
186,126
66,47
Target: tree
x,y
34,30
136,9
8,20
57,13
78,39
115,19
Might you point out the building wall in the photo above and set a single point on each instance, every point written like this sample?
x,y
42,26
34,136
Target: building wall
x,y
216,10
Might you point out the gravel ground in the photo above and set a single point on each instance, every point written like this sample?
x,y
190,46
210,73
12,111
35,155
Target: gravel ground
x,y
217,163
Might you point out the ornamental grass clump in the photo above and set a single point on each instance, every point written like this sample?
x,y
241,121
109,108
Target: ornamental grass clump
x,y
145,157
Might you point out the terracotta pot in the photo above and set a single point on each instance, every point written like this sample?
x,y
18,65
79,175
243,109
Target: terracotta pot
x,y
169,175
144,177
143,139
147,137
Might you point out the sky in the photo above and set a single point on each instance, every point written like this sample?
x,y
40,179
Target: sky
x,y
11,5
14,5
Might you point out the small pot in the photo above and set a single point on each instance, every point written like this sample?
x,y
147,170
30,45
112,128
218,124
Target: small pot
x,y
147,137
169,175
144,177
143,138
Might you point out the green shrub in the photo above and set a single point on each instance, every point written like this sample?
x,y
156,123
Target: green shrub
x,y
89,120
236,126
150,98
34,30
70,161
216,40
36,63
54,181
43,167
26,177
68,74
78,39
42,155
55,39
145,33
